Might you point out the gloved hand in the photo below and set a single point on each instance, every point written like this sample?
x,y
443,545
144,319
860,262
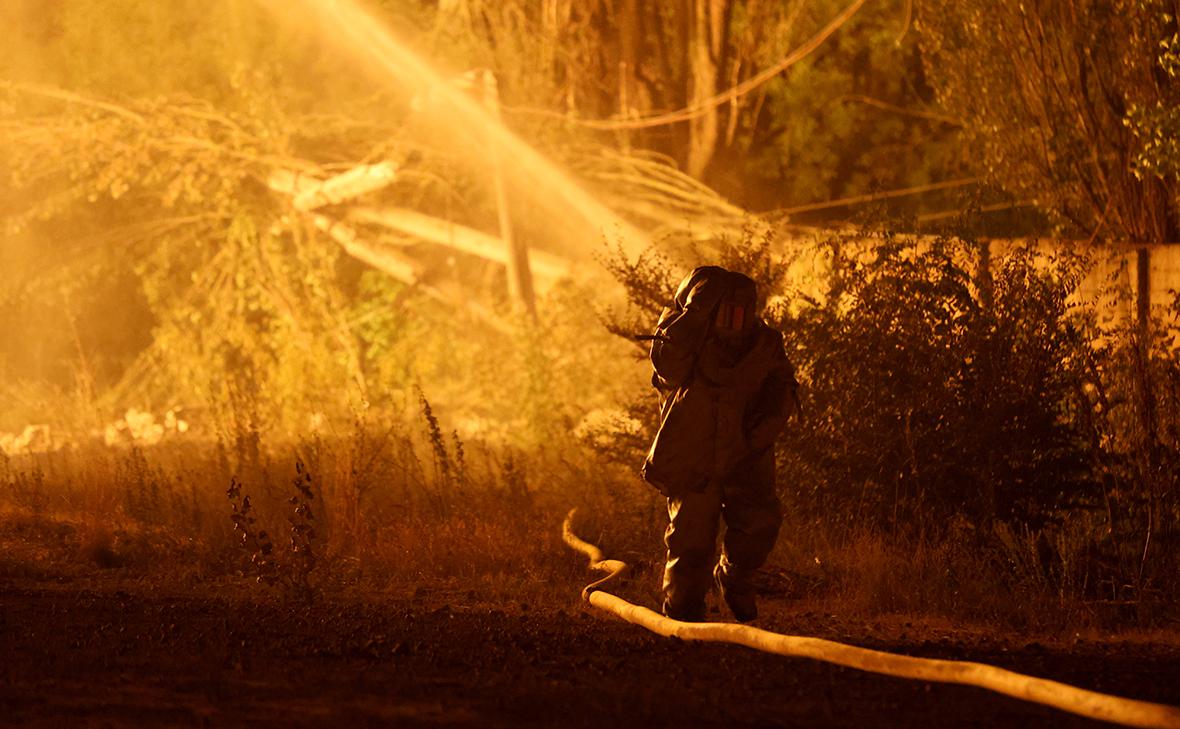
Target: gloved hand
x,y
685,324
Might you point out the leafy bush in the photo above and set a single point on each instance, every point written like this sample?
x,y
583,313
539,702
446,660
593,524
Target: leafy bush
x,y
946,385
936,389
933,386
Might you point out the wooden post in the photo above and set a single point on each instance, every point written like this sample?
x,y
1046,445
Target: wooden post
x,y
984,280
1143,350
520,277
1143,292
452,235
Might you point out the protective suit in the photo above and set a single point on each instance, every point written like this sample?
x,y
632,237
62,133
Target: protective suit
x,y
726,392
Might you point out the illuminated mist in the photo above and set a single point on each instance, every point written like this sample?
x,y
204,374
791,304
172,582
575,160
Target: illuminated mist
x,y
453,111
309,87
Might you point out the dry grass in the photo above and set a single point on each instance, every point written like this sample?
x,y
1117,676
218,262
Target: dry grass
x,y
412,511
396,508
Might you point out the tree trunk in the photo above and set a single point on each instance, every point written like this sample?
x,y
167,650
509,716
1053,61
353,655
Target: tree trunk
x,y
629,40
706,34
520,276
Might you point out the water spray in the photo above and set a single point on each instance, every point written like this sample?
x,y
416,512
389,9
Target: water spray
x,y
366,40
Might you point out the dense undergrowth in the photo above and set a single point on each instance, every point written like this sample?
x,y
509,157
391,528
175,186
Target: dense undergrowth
x,y
999,418
975,445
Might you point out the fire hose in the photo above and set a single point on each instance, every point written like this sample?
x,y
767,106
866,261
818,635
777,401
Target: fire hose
x,y
1072,699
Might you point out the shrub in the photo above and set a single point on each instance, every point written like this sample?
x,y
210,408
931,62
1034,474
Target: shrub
x,y
933,385
937,387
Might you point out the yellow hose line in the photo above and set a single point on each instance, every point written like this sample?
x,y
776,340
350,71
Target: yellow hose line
x,y
1027,688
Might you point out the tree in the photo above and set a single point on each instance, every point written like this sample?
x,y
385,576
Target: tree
x,y
1157,128
707,37
1055,96
774,104
216,205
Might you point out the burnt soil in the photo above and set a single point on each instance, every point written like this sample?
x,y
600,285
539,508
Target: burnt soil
x,y
108,651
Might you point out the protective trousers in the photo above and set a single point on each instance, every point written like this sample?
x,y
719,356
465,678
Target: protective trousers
x,y
747,501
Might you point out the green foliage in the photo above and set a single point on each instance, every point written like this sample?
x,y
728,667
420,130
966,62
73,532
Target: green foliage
x,y
952,393
1046,91
854,118
245,310
932,391
929,391
167,195
530,384
1157,128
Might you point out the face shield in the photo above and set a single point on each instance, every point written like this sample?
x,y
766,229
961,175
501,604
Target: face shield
x,y
733,317
736,315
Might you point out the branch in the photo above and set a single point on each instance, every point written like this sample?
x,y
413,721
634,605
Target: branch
x,y
886,106
402,269
841,202
692,112
459,237
71,98
310,192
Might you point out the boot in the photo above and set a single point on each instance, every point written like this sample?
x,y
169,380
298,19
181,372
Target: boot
x,y
738,596
694,613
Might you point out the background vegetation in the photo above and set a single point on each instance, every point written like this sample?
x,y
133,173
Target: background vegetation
x,y
978,434
958,397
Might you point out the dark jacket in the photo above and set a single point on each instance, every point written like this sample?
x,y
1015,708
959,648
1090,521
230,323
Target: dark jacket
x,y
721,404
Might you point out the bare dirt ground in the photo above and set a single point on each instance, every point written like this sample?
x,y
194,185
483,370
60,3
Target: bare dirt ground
x,y
85,643
101,649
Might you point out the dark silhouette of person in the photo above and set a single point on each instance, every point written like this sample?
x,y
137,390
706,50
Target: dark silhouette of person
x,y
727,391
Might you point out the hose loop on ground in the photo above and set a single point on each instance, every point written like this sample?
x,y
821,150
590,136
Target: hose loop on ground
x,y
1072,699
614,568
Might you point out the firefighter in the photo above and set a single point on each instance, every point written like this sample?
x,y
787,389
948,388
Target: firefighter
x,y
726,390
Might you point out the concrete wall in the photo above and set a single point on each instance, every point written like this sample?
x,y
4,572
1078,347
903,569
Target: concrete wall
x,y
1115,268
